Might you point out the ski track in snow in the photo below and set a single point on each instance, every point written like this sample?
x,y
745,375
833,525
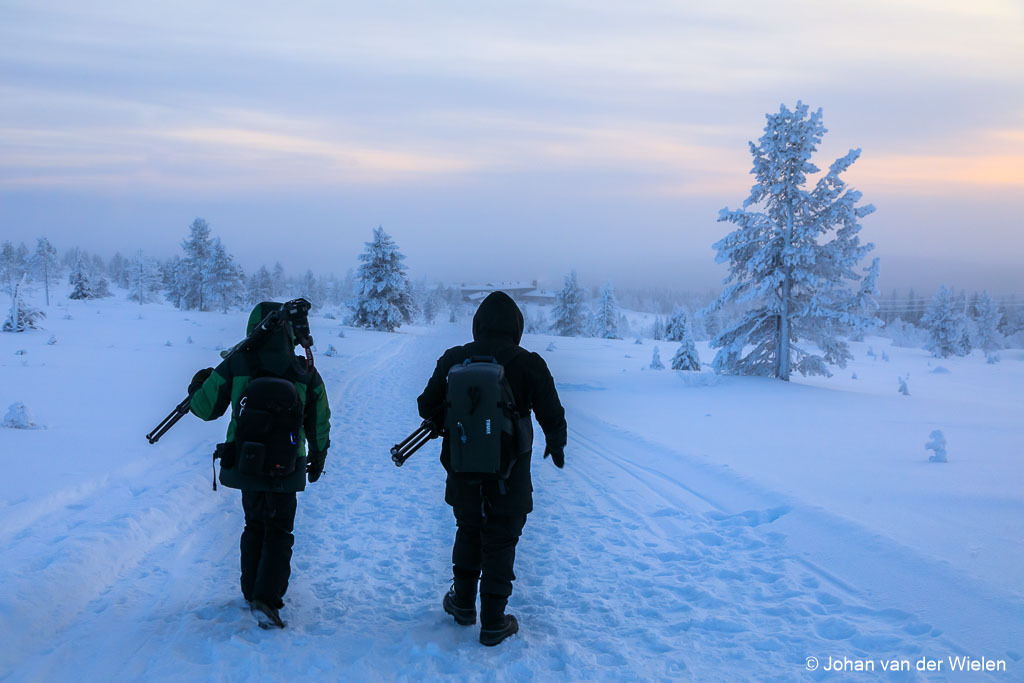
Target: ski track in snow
x,y
624,571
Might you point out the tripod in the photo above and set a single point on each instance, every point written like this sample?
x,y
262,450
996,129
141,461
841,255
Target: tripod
x,y
401,451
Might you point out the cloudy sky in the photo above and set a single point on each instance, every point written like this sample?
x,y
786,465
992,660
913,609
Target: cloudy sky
x,y
507,140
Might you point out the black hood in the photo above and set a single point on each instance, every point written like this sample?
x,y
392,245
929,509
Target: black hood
x,y
498,318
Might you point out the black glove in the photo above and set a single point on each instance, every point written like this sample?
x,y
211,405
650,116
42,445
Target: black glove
x,y
198,379
315,466
435,431
557,454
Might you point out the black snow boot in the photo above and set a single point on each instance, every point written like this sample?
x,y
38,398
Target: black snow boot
x,y
460,601
495,625
266,616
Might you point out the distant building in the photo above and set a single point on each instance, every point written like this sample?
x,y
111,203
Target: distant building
x,y
523,292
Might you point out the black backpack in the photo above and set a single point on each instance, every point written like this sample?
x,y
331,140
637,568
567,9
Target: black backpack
x,y
267,428
486,434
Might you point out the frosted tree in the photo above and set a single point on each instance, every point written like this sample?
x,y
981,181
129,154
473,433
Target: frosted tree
x,y
678,325
278,279
193,275
794,258
606,319
81,288
656,363
658,329
987,318
141,277
311,289
383,300
947,328
569,317
45,265
433,303
11,269
21,316
223,278
260,286
172,278
686,357
118,270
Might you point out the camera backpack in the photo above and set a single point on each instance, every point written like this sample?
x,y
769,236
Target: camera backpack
x,y
486,434
267,427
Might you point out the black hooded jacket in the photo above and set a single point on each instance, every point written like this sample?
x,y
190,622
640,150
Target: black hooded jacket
x,y
497,330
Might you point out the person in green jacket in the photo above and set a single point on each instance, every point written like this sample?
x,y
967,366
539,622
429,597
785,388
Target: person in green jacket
x,y
268,502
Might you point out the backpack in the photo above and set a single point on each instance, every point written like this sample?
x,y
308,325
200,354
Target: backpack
x,y
267,428
486,435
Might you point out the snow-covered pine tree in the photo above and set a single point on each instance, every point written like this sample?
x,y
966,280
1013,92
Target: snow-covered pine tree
x,y
568,312
21,316
658,330
794,258
260,287
278,279
433,302
656,363
142,278
172,278
310,289
686,357
383,299
606,319
224,278
118,270
193,276
79,281
45,264
986,324
678,325
947,326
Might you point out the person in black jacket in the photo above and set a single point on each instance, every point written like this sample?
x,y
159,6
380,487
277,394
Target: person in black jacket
x,y
490,514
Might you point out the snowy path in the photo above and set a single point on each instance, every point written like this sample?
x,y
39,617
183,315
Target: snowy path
x,y
639,562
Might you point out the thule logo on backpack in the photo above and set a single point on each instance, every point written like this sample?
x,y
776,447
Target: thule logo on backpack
x,y
487,427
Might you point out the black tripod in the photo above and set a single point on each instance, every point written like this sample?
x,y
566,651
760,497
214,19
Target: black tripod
x,y
401,451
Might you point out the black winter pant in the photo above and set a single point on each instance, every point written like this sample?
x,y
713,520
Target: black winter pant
x,y
267,545
486,543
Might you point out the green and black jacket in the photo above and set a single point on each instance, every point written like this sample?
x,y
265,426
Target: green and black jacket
x,y
275,358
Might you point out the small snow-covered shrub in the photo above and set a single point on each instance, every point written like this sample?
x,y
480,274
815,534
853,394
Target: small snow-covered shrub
x,y
19,417
550,347
638,340
331,351
939,370
341,334
52,340
937,443
903,388
992,358
905,335
656,363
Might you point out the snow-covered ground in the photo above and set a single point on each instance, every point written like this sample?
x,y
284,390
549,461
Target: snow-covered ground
x,y
707,528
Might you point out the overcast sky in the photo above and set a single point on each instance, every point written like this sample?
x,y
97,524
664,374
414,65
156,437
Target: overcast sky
x,y
507,140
